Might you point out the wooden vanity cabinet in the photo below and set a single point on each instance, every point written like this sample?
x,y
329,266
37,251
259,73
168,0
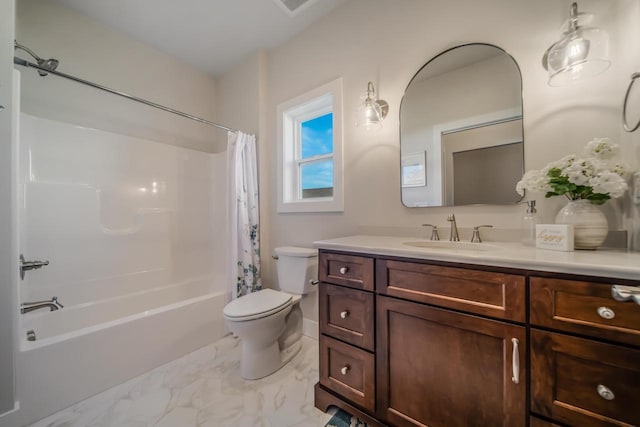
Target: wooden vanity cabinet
x,y
408,342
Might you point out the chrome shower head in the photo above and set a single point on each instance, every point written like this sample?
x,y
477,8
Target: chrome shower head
x,y
48,64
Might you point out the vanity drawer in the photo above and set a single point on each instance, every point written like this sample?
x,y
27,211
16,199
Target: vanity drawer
x,y
571,379
349,371
584,308
346,270
347,314
481,292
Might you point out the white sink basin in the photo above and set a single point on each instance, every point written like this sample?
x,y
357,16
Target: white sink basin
x,y
458,246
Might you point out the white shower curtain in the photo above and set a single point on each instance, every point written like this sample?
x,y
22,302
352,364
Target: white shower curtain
x,y
244,214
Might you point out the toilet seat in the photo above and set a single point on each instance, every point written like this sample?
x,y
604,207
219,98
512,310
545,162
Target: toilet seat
x,y
257,305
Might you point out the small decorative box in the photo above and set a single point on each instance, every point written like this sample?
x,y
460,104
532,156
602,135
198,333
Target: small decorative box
x,y
557,237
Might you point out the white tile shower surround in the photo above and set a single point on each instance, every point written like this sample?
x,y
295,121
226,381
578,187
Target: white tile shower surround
x,y
204,389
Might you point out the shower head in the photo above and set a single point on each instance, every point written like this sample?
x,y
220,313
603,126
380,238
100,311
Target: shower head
x,y
49,64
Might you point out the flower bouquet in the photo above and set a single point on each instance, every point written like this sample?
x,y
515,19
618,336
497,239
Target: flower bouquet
x,y
589,180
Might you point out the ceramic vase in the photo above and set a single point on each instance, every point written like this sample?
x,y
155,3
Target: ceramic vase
x,y
590,226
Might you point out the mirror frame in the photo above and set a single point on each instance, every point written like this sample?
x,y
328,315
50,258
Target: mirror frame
x,y
524,159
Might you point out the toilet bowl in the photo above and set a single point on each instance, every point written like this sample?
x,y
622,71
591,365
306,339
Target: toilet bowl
x,y
269,322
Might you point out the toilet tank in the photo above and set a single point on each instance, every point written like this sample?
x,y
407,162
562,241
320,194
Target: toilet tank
x,y
297,267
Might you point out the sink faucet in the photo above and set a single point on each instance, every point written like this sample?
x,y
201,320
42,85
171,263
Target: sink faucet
x,y
434,231
475,237
53,305
454,237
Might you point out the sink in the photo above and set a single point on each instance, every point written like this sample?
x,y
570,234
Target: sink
x,y
444,244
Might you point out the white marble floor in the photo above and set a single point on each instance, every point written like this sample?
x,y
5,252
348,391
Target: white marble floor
x,y
204,389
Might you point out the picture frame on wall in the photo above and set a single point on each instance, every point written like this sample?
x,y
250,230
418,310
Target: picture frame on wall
x,y
414,169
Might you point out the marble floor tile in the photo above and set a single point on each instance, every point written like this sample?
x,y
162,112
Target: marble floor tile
x,y
204,389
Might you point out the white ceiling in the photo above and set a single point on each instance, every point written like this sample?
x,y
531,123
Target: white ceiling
x,y
211,35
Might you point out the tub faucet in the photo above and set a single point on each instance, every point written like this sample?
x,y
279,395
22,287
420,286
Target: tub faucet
x,y
53,305
454,237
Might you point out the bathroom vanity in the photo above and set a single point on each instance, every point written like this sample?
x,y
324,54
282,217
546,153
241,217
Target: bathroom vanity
x,y
444,334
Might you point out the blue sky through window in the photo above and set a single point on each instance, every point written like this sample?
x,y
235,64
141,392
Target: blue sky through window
x,y
317,139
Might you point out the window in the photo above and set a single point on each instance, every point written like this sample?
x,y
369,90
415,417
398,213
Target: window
x,y
310,151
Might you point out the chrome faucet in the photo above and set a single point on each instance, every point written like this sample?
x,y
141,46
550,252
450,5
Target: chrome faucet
x,y
434,231
53,305
454,237
475,237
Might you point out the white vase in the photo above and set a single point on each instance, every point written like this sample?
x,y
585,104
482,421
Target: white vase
x,y
590,226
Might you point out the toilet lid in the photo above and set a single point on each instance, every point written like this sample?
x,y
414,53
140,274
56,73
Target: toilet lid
x,y
253,305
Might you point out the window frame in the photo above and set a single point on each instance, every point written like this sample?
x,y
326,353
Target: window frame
x,y
291,114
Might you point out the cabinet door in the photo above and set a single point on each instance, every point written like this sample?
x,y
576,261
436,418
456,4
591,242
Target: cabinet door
x,y
584,383
440,368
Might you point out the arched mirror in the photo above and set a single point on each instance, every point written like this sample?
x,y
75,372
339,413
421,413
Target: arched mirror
x,y
461,138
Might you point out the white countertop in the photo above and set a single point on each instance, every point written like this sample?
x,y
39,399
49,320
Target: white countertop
x,y
613,263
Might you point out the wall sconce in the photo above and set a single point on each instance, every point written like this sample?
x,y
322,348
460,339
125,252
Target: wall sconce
x,y
372,111
581,52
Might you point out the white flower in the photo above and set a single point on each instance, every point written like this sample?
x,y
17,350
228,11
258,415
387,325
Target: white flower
x,y
561,164
610,183
533,180
597,171
577,173
621,169
602,148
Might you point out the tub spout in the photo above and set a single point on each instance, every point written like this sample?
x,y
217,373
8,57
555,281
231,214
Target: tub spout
x,y
52,305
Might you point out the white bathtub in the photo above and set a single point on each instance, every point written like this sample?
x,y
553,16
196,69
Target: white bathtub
x,y
74,357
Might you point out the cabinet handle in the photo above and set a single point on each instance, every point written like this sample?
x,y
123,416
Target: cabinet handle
x,y
606,313
344,270
345,370
344,314
515,361
605,392
626,293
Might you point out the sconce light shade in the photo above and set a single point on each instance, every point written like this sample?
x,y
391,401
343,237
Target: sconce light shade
x,y
372,110
582,52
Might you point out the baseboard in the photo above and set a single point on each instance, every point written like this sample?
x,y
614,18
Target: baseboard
x,y
310,328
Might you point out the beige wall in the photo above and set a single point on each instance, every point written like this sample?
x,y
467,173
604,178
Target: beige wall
x,y
387,42
97,53
240,103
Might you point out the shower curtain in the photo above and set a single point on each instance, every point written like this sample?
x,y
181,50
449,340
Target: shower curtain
x,y
244,214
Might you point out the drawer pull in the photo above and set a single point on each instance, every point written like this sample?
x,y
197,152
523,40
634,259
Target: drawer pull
x,y
344,270
605,392
626,293
606,313
344,314
345,370
515,362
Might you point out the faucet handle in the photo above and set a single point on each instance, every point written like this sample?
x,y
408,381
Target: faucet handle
x,y
54,300
475,237
434,231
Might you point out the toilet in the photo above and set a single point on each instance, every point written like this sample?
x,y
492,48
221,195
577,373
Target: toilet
x,y
269,322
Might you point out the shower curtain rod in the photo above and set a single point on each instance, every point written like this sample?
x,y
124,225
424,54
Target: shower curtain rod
x,y
25,63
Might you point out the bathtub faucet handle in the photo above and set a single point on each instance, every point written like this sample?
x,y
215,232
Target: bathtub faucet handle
x,y
30,265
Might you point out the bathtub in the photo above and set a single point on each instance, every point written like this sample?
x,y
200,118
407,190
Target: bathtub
x,y
82,350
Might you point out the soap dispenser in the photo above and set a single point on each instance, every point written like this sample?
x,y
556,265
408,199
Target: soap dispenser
x,y
528,226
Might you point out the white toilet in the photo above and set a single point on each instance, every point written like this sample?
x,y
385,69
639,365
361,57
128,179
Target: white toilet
x,y
269,322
